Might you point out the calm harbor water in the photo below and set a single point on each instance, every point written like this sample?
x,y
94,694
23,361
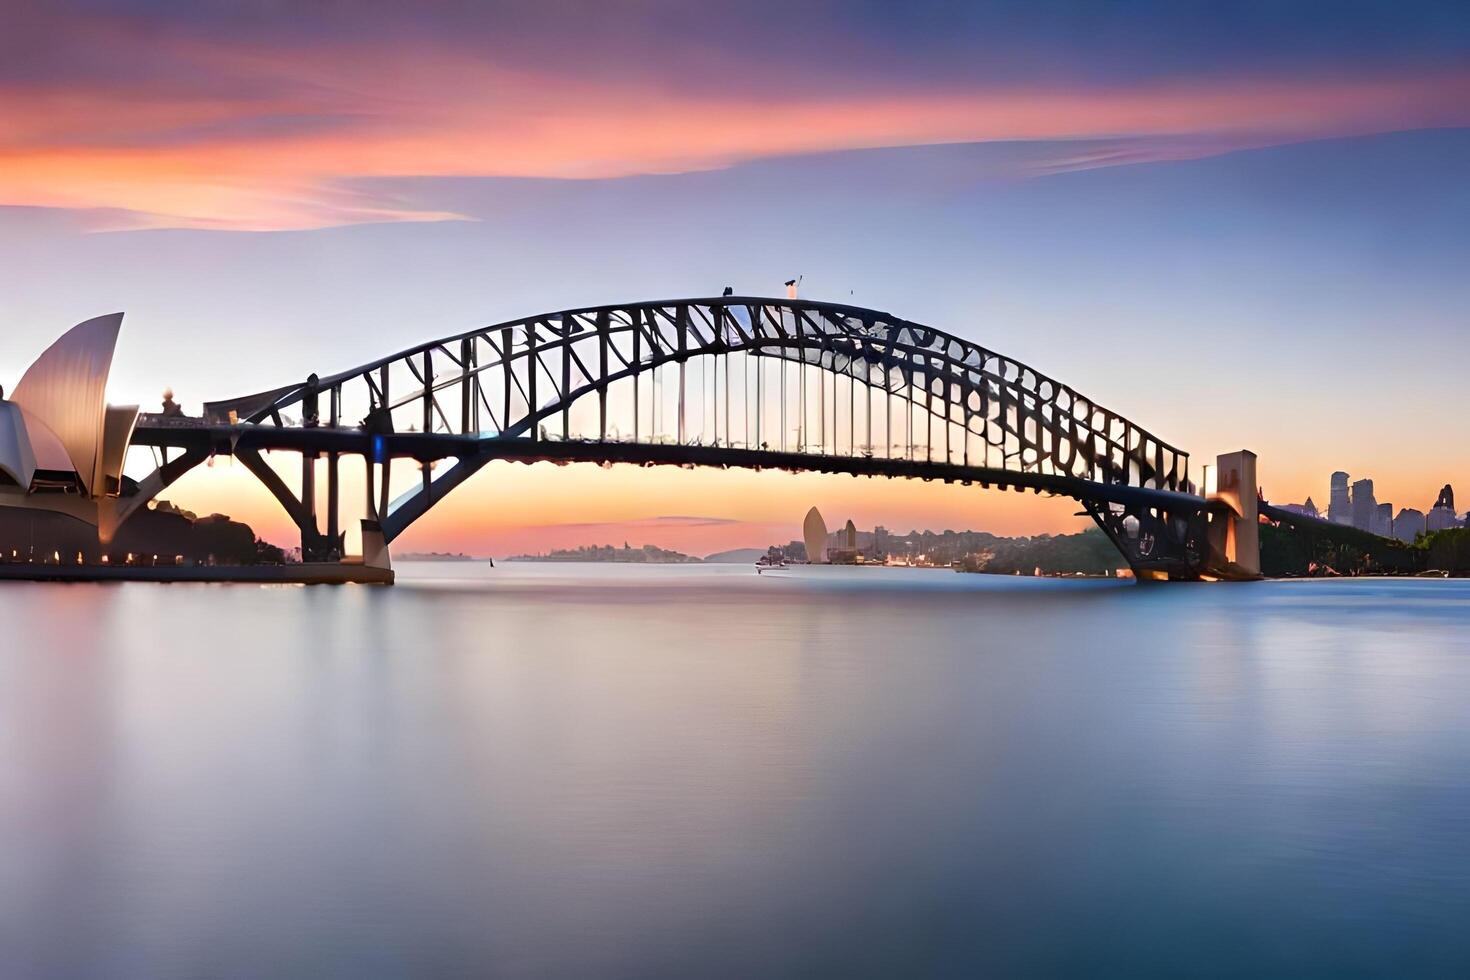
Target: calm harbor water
x,y
621,771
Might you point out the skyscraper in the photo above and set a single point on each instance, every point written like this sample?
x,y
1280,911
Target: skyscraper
x,y
1364,506
1409,524
814,531
1442,515
1383,520
1340,504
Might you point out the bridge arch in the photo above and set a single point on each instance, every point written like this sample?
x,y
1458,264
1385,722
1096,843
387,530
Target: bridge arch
x,y
514,379
729,381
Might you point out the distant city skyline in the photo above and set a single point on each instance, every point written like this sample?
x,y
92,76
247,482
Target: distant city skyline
x,y
1357,506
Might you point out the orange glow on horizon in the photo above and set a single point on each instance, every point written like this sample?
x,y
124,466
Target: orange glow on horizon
x,y
512,508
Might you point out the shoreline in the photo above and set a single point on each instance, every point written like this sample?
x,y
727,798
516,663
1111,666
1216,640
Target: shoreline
x,y
316,573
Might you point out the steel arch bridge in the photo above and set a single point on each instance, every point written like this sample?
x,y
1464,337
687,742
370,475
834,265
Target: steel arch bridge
x,y
730,381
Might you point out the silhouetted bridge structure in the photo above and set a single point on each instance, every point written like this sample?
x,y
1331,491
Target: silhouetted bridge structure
x,y
734,381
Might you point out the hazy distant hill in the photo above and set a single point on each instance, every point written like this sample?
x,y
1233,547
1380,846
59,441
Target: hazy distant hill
x,y
735,556
646,555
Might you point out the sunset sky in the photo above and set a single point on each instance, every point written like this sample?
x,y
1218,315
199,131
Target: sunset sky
x,y
1242,225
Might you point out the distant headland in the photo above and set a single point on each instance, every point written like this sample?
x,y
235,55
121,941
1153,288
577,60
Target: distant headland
x,y
646,555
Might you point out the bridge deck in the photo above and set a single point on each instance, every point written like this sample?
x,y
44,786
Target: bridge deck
x,y
429,447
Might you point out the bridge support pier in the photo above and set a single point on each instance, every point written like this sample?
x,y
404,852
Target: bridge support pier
x,y
334,510
1216,539
1159,544
1235,538
374,545
309,533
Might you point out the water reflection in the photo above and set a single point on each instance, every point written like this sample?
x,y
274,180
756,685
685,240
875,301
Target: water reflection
x,y
570,771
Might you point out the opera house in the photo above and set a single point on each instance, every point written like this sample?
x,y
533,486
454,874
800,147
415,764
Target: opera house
x,y
69,513
62,447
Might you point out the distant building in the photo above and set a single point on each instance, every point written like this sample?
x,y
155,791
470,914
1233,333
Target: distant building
x,y
849,546
814,530
792,551
1409,524
1446,498
1441,516
1340,504
1383,520
1307,509
1441,519
1364,505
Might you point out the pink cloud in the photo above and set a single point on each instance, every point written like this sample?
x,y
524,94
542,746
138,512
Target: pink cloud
x,y
270,143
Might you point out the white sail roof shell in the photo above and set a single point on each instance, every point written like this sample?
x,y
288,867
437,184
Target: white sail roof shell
x,y
45,446
117,434
65,389
17,460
